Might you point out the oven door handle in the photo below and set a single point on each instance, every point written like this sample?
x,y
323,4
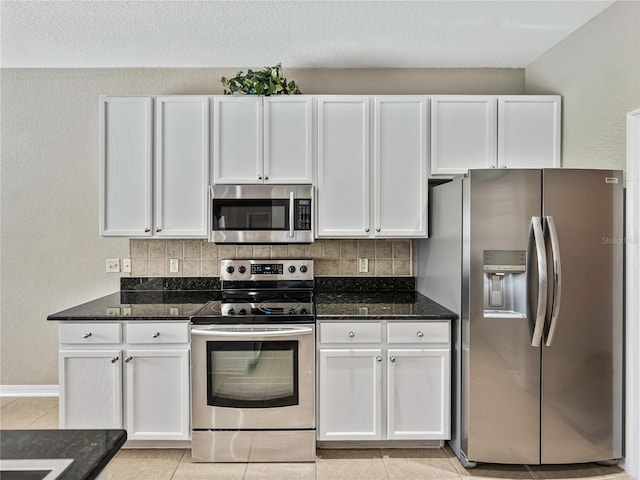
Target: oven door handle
x,y
275,332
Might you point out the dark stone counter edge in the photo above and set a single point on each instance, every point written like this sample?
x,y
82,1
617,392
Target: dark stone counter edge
x,y
399,317
104,461
120,318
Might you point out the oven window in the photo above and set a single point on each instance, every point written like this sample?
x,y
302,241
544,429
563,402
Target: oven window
x,y
252,374
251,214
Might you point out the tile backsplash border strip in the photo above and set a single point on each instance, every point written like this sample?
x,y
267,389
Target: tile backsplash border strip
x,y
332,258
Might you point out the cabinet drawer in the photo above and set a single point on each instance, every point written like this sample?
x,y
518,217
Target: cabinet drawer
x,y
418,332
157,332
350,332
90,333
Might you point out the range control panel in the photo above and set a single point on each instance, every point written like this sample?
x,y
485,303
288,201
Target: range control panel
x,y
268,269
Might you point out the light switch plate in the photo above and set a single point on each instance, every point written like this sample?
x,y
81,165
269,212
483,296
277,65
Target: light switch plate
x,y
126,265
174,265
363,265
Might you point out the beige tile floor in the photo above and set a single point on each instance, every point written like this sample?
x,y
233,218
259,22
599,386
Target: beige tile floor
x,y
374,464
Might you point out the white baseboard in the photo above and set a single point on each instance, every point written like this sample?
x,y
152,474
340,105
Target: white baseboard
x,y
29,391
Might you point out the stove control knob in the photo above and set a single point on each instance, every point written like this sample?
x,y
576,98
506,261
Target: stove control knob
x,y
231,311
303,311
242,269
303,268
230,269
242,312
292,269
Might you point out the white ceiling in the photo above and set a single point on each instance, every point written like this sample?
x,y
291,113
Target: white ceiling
x,y
296,33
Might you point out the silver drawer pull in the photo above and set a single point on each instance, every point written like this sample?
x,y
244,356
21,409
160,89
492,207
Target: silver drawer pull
x,y
351,334
86,335
420,334
115,359
378,358
128,359
156,334
392,358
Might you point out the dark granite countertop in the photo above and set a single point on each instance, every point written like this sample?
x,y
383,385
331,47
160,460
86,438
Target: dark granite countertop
x,y
379,305
140,305
90,450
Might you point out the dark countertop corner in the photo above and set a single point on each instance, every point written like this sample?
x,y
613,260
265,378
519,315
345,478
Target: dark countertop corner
x,y
91,450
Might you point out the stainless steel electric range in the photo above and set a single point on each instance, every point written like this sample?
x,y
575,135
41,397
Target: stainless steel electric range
x,y
253,365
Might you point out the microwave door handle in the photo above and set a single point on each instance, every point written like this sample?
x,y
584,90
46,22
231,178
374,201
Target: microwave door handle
x,y
291,206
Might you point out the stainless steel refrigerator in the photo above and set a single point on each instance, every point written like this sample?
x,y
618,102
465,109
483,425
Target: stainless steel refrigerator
x,y
532,261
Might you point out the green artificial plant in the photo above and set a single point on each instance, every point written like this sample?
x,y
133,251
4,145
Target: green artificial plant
x,y
268,81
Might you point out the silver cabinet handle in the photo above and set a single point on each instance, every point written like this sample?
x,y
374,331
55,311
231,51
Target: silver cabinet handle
x,y
351,334
266,178
378,358
147,230
493,166
259,177
155,334
158,230
366,230
557,280
537,236
392,358
291,212
128,359
378,229
86,335
420,334
115,359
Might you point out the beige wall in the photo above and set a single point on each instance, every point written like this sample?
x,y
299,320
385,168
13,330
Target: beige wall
x,y
52,256
597,72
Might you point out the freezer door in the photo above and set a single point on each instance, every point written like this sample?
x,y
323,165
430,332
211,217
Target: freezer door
x,y
582,368
500,414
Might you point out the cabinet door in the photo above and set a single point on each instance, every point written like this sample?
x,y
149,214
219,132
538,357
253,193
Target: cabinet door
x,y
90,388
463,133
126,149
400,166
157,394
343,166
529,131
288,139
237,140
350,393
182,166
418,394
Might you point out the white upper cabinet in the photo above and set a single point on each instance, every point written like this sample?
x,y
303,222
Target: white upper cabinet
x,y
529,131
145,192
400,166
343,166
126,155
463,133
471,131
378,194
182,166
262,140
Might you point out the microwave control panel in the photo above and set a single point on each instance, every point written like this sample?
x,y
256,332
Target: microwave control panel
x,y
302,214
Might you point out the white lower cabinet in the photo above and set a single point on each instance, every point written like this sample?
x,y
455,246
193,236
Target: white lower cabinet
x,y
384,380
126,375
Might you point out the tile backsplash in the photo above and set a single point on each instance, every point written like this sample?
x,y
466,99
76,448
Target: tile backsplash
x,y
199,258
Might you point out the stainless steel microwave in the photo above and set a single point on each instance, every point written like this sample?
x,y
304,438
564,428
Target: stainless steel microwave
x,y
261,214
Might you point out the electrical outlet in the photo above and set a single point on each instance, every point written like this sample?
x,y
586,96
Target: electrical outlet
x,y
126,265
174,265
174,311
113,265
363,265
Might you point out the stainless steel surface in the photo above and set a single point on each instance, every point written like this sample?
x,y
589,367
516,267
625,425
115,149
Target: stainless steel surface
x,y
115,359
291,199
303,270
557,279
503,370
560,402
86,335
253,446
541,304
582,370
302,415
251,331
284,192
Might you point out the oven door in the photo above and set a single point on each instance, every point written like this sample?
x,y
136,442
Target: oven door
x,y
252,377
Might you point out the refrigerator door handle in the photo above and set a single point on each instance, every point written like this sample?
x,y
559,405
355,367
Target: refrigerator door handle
x,y
557,279
541,254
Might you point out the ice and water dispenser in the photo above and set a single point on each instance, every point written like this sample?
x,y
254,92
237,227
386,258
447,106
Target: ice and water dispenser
x,y
504,283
